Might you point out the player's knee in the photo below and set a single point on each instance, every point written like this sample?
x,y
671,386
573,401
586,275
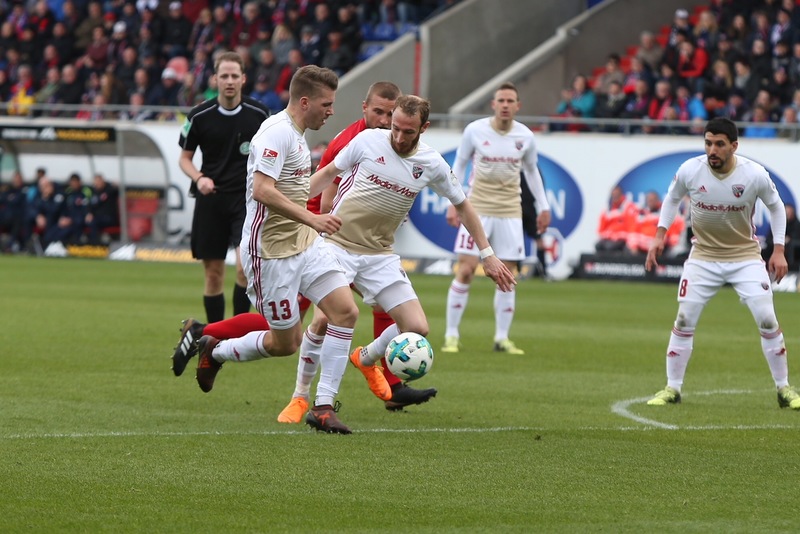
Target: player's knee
x,y
345,314
283,345
688,315
415,324
764,314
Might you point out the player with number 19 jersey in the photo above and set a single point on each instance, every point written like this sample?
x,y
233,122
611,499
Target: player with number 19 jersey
x,y
375,195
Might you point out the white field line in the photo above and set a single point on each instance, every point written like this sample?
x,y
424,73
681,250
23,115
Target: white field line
x,y
621,408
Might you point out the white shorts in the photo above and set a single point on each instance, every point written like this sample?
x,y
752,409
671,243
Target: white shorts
x,y
379,278
273,284
702,279
504,234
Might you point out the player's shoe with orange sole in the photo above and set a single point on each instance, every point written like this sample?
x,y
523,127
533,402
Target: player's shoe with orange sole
x,y
207,367
294,411
374,375
324,419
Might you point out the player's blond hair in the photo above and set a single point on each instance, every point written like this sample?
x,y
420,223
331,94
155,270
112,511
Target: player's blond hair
x,y
386,90
414,105
310,81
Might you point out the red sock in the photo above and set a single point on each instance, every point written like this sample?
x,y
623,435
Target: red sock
x,y
380,322
236,326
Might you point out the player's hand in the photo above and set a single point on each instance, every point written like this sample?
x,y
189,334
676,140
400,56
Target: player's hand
x,y
543,221
778,267
206,185
326,224
499,273
656,248
452,217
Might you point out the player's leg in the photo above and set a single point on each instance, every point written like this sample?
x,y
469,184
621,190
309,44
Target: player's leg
x,y
508,242
457,298
699,282
380,322
752,283
213,295
209,243
307,365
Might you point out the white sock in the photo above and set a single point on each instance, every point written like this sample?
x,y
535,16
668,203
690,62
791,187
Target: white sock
x,y
308,363
775,352
377,349
241,349
503,312
457,297
679,351
333,359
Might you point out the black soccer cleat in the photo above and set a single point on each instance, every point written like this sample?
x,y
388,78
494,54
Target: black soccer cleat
x,y
324,419
207,367
191,332
406,396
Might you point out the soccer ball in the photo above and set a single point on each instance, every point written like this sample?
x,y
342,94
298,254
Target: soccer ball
x,y
409,356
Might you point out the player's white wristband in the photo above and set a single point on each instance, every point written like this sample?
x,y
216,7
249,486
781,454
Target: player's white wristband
x,y
486,252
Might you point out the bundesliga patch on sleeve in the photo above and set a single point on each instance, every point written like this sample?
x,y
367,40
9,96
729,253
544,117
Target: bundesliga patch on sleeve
x,y
268,157
187,125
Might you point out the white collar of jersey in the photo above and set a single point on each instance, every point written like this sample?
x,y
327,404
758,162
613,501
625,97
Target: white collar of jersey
x,y
233,111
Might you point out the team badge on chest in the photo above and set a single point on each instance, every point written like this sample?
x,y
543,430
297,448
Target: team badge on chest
x,y
416,171
738,190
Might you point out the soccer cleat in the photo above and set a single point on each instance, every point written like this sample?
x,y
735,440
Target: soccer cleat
x,y
450,344
191,332
788,398
507,346
324,419
668,395
207,367
294,411
374,375
406,396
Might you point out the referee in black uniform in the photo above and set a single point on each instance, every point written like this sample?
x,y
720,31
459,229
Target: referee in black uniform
x,y
222,128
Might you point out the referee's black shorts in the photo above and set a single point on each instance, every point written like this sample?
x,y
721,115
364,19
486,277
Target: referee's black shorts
x,y
217,224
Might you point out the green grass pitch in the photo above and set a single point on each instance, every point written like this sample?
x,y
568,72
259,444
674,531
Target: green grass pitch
x,y
97,435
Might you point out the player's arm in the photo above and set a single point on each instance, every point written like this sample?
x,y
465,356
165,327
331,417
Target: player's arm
x,y
322,179
266,192
326,201
463,154
777,264
203,183
492,266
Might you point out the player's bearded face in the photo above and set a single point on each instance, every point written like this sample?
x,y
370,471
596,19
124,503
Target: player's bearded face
x,y
719,151
406,131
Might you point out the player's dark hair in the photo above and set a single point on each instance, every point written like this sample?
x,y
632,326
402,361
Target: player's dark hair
x,y
386,90
414,105
232,57
309,80
723,126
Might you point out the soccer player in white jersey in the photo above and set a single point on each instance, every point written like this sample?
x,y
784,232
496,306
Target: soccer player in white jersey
x,y
499,148
382,173
723,189
283,253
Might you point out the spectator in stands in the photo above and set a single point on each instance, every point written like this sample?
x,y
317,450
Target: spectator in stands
x,y
337,56
680,27
720,78
147,45
125,70
760,115
781,56
223,28
782,30
706,32
310,46
293,20
142,85
248,25
666,72
22,93
192,8
762,29
268,67
724,51
96,57
130,16
649,51
63,41
645,224
117,44
71,89
347,24
48,94
85,29
745,80
283,42
765,100
136,111
102,219
638,71
615,223
49,60
153,22
187,93
692,65
612,73
249,69
739,33
166,93
790,123
611,106
177,30
638,103
29,47
780,87
113,91
44,214
287,72
8,37
578,101
736,108
796,100
267,95
760,60
202,36
70,17
323,22
201,69
794,63
662,100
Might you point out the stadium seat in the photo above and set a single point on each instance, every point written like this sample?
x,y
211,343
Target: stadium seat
x,y
367,32
369,50
385,32
407,28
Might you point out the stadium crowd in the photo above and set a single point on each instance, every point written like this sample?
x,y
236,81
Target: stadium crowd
x,y
738,59
142,53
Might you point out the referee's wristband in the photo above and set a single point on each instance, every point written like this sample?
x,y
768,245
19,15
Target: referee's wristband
x,y
198,178
486,252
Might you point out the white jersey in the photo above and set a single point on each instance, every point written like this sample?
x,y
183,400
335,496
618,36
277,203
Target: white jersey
x,y
379,188
278,150
497,159
722,207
